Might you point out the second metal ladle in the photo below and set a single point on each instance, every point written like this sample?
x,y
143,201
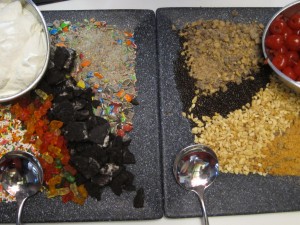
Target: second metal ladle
x,y
195,168
21,175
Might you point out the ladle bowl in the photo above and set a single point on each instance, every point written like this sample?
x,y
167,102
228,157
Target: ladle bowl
x,y
195,168
21,175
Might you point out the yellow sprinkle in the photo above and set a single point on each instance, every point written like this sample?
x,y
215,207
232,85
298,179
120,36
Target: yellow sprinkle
x,y
81,84
41,94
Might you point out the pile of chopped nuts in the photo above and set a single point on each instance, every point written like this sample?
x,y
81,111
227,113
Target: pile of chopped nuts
x,y
217,52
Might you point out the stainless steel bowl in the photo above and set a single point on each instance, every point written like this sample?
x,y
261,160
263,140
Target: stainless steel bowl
x,y
30,6
286,11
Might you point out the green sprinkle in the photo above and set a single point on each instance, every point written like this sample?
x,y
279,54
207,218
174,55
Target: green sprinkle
x,y
64,24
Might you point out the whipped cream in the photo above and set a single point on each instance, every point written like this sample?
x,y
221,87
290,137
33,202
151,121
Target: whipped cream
x,y
22,48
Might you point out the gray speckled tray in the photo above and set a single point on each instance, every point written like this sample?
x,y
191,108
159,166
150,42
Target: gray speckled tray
x,y
230,194
145,143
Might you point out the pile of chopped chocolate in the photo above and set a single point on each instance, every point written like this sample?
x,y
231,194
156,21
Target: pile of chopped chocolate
x,y
99,157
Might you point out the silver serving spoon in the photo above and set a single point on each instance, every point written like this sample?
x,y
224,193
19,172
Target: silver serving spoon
x,y
195,168
21,175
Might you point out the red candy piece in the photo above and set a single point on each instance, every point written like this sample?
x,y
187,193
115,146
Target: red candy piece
x,y
120,132
127,127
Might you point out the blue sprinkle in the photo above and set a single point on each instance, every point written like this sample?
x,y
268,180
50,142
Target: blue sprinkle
x,y
73,28
111,109
90,74
101,100
99,90
53,31
119,41
131,39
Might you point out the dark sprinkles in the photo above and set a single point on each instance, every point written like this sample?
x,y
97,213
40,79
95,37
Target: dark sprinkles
x,y
234,98
99,157
184,83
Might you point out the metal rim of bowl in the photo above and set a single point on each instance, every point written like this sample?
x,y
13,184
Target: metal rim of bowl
x,y
39,77
291,83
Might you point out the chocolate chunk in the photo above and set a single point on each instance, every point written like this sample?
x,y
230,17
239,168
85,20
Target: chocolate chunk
x,y
94,190
139,199
61,55
111,169
116,188
101,180
75,131
54,76
87,166
87,94
123,179
129,178
98,133
135,101
95,103
128,157
115,155
127,142
70,60
71,85
64,96
82,115
102,156
89,149
78,92
94,121
79,104
44,86
83,147
117,141
63,111
80,179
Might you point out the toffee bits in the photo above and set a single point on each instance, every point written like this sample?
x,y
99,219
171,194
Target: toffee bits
x,y
217,52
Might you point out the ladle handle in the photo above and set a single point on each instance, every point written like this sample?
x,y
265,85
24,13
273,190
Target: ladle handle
x,y
20,203
200,192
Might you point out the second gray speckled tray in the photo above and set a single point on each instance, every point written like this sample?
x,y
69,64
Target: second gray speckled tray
x,y
145,136
230,194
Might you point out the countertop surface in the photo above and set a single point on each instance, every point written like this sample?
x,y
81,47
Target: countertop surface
x,y
291,218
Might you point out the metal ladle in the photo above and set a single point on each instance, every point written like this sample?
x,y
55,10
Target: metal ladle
x,y
21,175
195,168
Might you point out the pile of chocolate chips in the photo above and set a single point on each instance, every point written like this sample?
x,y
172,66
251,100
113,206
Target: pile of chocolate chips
x,y
99,157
